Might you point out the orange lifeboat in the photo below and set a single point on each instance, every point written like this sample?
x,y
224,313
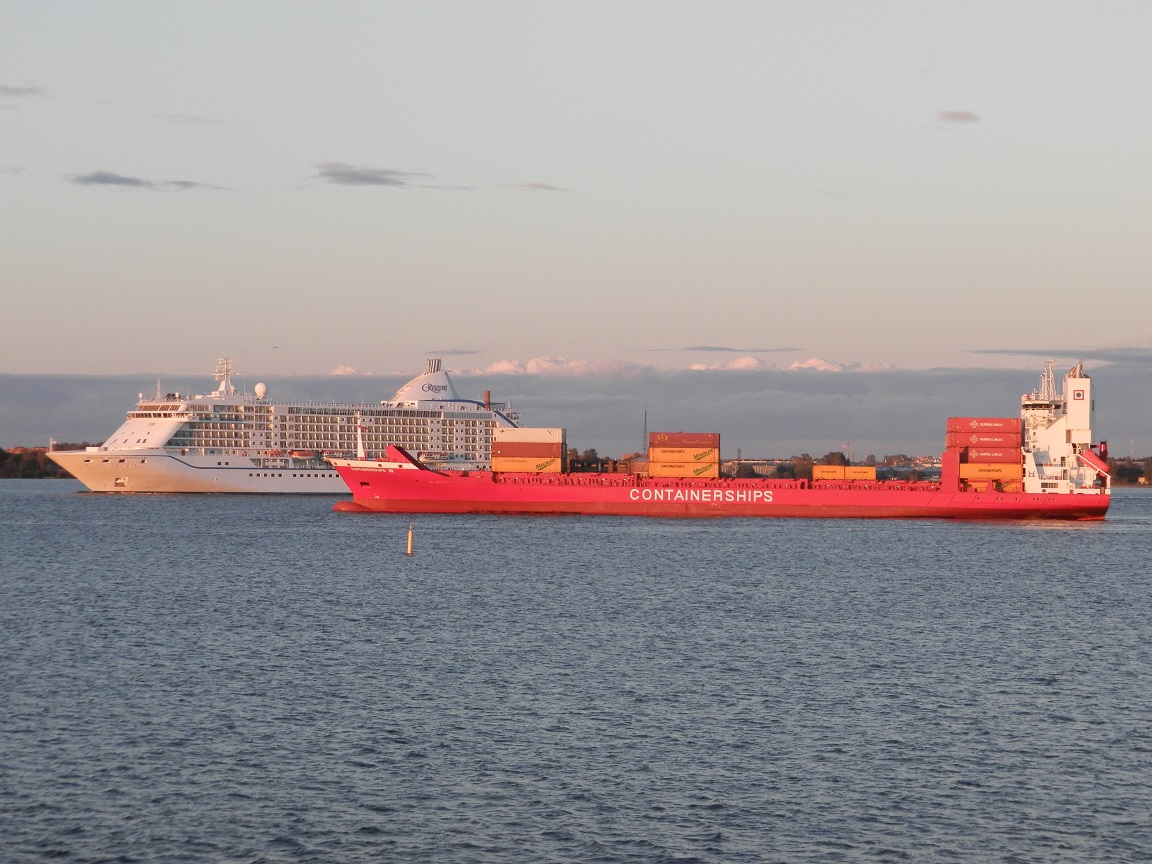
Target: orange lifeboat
x,y
303,454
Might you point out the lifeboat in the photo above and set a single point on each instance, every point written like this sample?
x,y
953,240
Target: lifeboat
x,y
303,454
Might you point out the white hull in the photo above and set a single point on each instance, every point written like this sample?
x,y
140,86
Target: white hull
x,y
229,442
160,471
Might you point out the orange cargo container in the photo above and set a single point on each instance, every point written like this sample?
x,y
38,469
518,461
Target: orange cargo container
x,y
521,465
990,471
982,439
860,472
827,472
683,469
528,449
684,439
683,454
1012,455
984,424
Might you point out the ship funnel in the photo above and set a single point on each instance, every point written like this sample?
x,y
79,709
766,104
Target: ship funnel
x,y
433,366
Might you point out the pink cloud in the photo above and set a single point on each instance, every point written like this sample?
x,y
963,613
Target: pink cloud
x,y
958,117
746,363
559,366
821,365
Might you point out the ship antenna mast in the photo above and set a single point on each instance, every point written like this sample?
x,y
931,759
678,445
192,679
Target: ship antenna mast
x,y
1048,382
223,374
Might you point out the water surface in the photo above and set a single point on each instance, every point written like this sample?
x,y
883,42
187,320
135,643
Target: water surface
x,y
249,678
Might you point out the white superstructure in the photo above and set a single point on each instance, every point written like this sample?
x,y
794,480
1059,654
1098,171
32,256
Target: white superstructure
x,y
1057,428
226,441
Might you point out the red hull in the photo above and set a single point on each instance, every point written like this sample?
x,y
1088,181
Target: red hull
x,y
389,487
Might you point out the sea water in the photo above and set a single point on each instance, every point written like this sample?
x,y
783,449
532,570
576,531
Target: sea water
x,y
259,679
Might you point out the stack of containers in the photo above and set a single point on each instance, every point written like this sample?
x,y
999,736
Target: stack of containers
x,y
525,449
684,454
980,450
843,472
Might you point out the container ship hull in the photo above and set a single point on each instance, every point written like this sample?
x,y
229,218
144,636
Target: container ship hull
x,y
402,486
1042,465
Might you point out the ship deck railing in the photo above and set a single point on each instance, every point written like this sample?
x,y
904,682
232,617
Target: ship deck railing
x,y
601,479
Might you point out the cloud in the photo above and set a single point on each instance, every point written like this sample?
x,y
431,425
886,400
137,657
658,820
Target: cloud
x,y
110,178
344,174
819,364
532,186
744,363
9,90
773,413
452,352
958,117
710,349
182,185
345,369
1102,355
559,366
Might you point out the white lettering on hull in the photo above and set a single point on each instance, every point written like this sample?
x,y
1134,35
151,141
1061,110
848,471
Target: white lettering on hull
x,y
704,496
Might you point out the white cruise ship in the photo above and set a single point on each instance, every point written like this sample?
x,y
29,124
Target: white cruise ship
x,y
226,441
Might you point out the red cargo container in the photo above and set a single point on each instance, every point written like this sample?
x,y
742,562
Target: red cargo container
x,y
1008,455
950,467
982,439
683,439
984,424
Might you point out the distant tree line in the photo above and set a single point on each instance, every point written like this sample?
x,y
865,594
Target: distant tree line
x,y
33,462
1131,472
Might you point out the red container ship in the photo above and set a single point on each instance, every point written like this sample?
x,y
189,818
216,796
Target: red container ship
x,y
1055,472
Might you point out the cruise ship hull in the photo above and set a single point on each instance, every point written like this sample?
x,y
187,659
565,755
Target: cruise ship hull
x,y
160,471
401,487
225,441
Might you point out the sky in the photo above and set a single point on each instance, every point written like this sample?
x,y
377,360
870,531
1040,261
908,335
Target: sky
x,y
578,189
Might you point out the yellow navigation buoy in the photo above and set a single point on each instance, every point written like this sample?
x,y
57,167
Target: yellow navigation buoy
x,y
409,538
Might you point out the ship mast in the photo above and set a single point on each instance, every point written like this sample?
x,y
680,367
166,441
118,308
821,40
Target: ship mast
x,y
1048,382
223,374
